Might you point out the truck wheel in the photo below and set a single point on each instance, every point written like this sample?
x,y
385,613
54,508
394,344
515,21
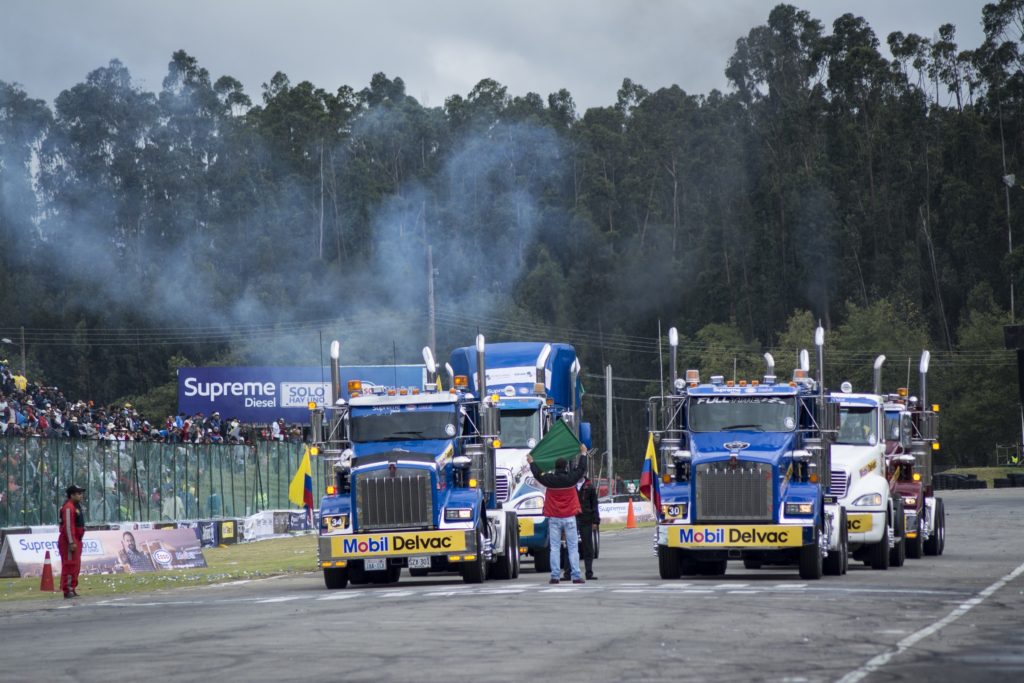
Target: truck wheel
x,y
390,575
811,563
880,552
937,542
712,567
668,563
597,541
515,551
542,560
356,573
835,562
898,554
915,546
475,571
502,569
336,578
687,565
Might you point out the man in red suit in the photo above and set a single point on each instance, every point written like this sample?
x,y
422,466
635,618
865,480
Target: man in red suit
x,y
69,541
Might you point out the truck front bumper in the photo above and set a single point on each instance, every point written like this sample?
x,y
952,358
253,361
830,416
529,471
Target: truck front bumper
x,y
458,545
533,532
865,527
735,537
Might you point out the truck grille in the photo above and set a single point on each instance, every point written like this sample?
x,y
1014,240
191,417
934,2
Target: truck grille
x,y
740,493
399,500
501,487
840,483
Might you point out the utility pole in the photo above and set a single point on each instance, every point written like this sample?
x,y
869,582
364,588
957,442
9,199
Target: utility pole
x,y
430,301
608,425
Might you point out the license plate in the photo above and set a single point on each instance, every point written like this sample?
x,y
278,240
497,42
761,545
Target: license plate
x,y
419,563
375,565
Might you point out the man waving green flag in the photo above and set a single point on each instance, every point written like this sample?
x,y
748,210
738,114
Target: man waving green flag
x,y
559,442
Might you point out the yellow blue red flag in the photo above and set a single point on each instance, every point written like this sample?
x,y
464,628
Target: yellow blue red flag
x,y
300,490
649,484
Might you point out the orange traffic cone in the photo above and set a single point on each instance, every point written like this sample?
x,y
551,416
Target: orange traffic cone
x,y
630,517
46,581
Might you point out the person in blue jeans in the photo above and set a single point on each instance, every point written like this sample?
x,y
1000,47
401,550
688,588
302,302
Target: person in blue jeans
x,y
561,505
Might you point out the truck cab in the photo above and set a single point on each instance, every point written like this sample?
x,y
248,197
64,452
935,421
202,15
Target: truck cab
x,y
745,471
413,484
874,516
534,384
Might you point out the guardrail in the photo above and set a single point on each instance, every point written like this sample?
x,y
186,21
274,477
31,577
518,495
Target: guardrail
x,y
129,481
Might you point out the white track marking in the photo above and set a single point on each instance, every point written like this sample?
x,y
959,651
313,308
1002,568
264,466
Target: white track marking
x,y
282,599
876,663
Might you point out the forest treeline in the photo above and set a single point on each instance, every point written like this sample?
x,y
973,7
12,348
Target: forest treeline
x,y
141,231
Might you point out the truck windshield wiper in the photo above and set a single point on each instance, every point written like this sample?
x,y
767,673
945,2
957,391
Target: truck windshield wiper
x,y
732,427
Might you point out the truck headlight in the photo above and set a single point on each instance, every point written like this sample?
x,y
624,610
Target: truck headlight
x,y
531,503
910,501
457,514
673,510
868,500
799,509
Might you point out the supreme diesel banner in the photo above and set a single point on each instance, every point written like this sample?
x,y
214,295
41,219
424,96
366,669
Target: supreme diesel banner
x,y
111,552
263,395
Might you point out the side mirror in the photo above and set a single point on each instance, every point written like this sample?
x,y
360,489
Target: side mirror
x,y
906,429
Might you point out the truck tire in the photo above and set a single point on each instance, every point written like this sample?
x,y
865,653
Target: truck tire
x,y
515,551
336,578
669,566
711,567
898,554
503,568
542,560
811,561
390,575
597,541
687,565
476,571
937,542
835,562
915,546
879,557
356,574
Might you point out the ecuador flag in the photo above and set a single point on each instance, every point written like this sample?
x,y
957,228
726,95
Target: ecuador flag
x,y
300,490
649,484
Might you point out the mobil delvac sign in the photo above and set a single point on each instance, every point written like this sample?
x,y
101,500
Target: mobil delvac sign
x,y
264,394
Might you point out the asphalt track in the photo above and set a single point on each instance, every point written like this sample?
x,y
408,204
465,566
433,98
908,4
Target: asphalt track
x,y
952,618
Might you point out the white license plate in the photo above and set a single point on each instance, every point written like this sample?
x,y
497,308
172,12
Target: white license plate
x,y
375,565
419,563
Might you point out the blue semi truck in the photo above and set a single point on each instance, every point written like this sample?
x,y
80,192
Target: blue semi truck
x,y
413,482
534,385
745,472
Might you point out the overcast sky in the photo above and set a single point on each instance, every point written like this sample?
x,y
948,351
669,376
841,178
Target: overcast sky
x,y
438,47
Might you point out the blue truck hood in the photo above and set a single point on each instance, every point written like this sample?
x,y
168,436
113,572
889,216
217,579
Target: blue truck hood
x,y
437,448
758,446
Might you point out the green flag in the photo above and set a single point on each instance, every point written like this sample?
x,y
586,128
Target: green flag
x,y
559,442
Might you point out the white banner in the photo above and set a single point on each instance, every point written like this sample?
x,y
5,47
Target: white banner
x,y
643,511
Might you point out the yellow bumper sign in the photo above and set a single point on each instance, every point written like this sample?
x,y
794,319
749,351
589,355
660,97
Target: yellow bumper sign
x,y
525,526
858,524
764,536
392,544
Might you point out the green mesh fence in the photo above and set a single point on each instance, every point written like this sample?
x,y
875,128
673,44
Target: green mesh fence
x,y
127,481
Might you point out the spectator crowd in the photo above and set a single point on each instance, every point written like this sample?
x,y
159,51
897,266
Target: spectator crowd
x,y
33,410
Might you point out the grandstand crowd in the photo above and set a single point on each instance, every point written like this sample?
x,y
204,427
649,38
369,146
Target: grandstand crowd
x,y
33,410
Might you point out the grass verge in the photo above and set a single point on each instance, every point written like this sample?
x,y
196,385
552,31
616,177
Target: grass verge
x,y
228,563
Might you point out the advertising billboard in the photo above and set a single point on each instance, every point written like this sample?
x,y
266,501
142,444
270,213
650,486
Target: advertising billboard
x,y
261,395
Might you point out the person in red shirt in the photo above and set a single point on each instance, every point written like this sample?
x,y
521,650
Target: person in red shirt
x,y
561,505
69,541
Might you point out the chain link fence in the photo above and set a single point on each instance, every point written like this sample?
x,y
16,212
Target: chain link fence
x,y
127,481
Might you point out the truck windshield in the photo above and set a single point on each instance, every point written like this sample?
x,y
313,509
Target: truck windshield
x,y
892,426
752,413
403,424
519,428
857,426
